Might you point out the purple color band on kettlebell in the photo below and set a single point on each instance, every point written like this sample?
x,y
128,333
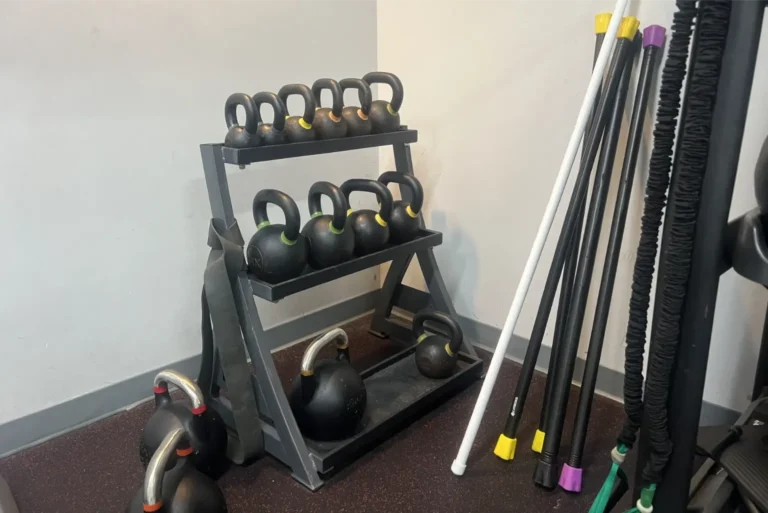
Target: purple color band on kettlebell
x,y
653,35
570,479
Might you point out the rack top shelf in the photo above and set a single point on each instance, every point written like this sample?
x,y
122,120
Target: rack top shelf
x,y
246,156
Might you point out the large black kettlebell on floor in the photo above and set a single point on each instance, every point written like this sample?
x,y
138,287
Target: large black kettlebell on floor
x,y
206,431
299,128
384,114
329,122
371,228
404,223
244,136
358,118
328,398
330,241
276,252
173,485
271,133
436,355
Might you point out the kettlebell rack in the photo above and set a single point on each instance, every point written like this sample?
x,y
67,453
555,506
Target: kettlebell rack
x,y
397,393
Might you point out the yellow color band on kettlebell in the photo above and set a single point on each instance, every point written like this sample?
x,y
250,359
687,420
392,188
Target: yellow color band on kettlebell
x,y
391,110
628,27
448,350
343,346
538,441
317,214
381,221
421,338
411,212
602,21
262,225
505,447
361,114
336,230
349,212
303,124
307,372
286,240
334,117
287,116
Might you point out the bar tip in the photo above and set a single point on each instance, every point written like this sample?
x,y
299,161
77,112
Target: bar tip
x,y
570,479
602,21
458,468
653,35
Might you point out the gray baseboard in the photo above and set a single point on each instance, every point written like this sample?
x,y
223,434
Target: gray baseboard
x,y
62,418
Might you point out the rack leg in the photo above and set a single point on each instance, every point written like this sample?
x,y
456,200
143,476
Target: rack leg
x,y
216,181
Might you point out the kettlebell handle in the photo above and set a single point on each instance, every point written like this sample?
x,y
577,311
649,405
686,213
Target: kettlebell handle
x,y
339,201
364,93
306,94
381,77
456,335
286,204
176,440
336,93
342,348
186,385
278,106
379,189
412,183
251,113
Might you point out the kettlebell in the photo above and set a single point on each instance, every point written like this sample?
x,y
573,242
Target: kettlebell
x,y
404,223
206,431
330,241
436,355
329,122
384,115
371,228
328,398
173,485
271,133
276,252
245,136
299,128
357,118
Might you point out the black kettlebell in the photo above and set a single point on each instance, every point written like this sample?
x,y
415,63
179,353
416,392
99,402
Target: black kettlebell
x,y
357,118
404,224
173,485
245,136
330,241
299,128
276,252
328,398
384,115
371,228
329,122
206,431
436,355
271,133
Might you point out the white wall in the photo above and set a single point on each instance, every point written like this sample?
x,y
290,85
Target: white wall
x,y
494,98
103,206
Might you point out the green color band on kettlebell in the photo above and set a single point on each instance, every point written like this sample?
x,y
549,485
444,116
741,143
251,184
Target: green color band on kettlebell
x,y
336,230
349,212
262,225
411,212
286,240
391,110
303,124
381,221
421,338
448,350
317,214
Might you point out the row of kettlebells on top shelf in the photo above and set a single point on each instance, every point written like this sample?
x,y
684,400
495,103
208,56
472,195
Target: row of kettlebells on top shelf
x,y
279,252
317,122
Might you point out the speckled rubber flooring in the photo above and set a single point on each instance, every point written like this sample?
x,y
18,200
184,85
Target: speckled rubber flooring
x,y
97,469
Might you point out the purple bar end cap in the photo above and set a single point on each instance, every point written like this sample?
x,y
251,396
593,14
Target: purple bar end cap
x,y
653,35
570,478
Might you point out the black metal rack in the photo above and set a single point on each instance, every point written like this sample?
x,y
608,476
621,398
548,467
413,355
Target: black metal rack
x,y
397,392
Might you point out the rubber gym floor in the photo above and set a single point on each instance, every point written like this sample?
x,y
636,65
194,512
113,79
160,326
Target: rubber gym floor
x,y
97,467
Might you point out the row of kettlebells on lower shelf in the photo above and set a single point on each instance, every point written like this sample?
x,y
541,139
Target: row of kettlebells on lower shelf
x,y
317,122
279,252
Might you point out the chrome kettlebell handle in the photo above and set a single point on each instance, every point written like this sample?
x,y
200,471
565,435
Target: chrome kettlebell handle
x,y
186,385
308,360
153,480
